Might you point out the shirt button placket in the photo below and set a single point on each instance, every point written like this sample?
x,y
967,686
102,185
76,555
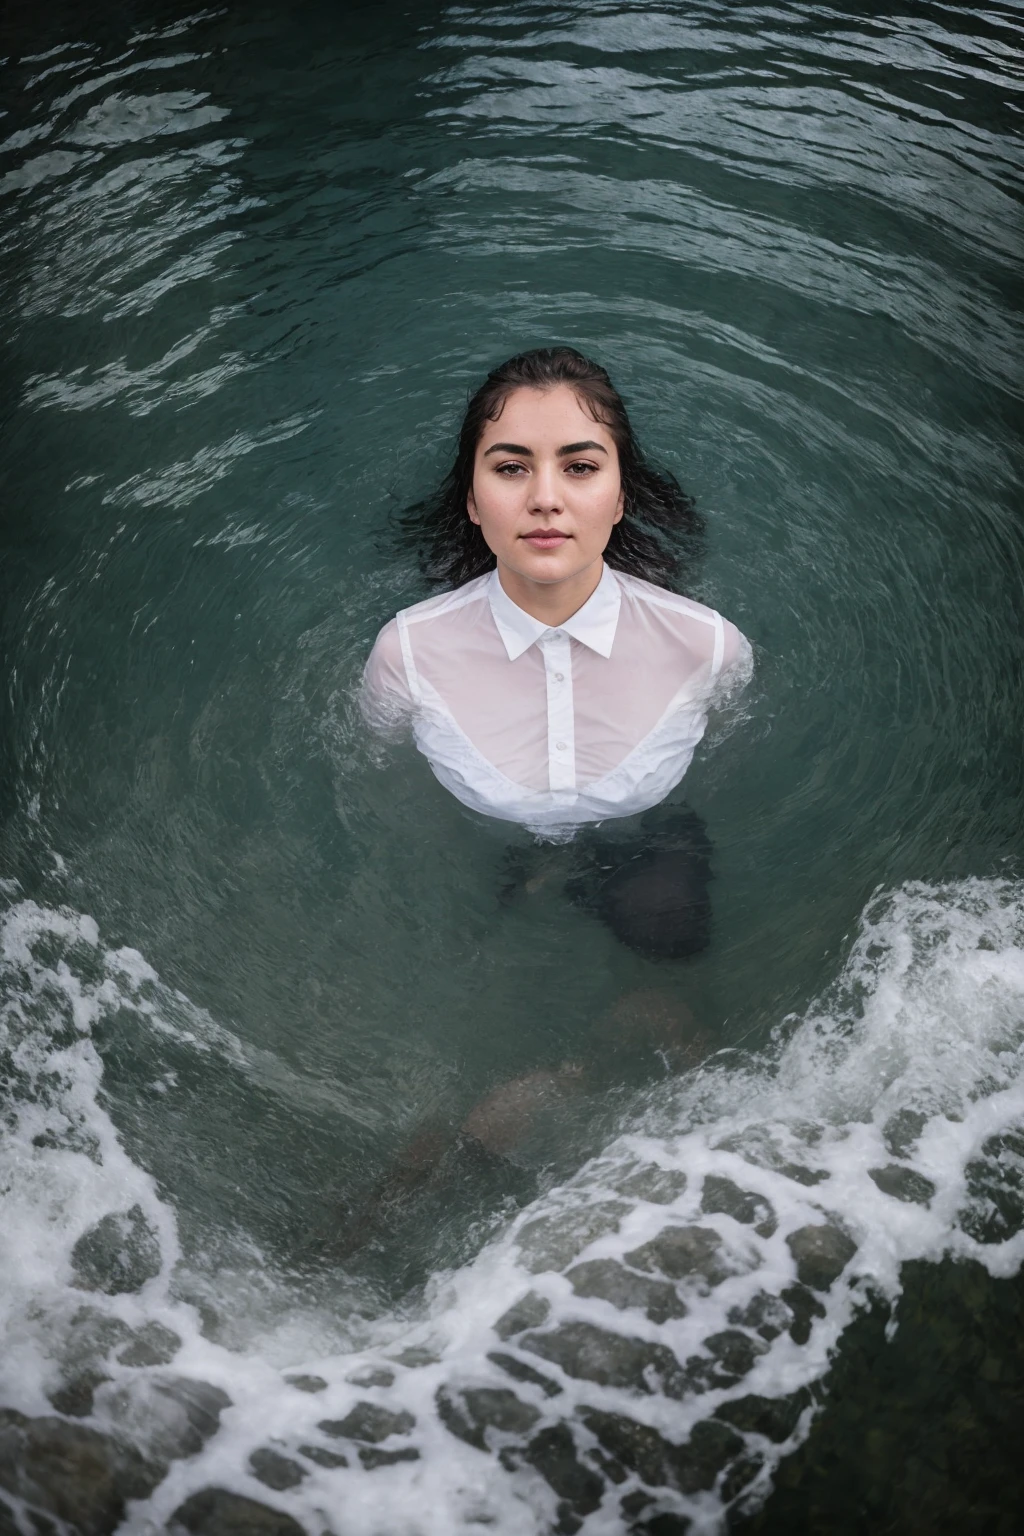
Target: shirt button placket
x,y
561,715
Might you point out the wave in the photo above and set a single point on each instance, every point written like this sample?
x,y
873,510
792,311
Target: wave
x,y
651,1337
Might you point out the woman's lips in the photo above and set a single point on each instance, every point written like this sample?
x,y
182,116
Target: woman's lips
x,y
546,538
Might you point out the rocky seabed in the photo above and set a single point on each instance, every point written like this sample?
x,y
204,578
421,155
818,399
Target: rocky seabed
x,y
635,1353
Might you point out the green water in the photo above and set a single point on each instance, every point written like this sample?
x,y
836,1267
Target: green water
x,y
253,259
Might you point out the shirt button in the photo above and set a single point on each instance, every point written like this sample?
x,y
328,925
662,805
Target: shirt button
x,y
559,677
560,746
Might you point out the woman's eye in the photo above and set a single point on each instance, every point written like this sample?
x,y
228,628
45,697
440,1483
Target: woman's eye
x,y
580,468
511,470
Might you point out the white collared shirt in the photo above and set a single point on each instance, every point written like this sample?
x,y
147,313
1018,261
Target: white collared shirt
x,y
552,727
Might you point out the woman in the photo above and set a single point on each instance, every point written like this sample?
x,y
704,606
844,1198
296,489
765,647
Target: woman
x,y
561,683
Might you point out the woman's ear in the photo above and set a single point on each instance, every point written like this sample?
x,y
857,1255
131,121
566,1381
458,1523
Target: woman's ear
x,y
474,515
620,505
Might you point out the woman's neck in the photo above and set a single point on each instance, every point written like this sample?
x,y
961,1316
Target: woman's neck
x,y
551,602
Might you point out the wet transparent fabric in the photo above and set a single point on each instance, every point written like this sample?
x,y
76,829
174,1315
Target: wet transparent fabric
x,y
554,727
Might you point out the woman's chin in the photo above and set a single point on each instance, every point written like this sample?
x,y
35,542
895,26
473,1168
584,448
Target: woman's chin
x,y
547,565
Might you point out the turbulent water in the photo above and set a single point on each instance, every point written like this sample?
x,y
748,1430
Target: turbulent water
x,y
252,260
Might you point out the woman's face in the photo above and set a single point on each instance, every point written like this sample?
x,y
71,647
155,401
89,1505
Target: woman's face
x,y
546,487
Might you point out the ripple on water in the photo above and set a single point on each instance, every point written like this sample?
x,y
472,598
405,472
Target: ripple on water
x,y
248,275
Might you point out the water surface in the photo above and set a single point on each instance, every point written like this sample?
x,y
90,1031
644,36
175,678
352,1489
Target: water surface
x,y
252,263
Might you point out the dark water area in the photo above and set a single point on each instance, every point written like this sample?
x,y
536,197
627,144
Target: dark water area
x,y
251,261
923,1430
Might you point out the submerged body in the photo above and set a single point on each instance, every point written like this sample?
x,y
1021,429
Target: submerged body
x,y
562,683
553,726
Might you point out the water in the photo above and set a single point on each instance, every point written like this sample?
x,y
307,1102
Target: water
x,y
252,262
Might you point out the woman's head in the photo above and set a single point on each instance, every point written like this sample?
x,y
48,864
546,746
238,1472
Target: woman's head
x,y
653,516
546,491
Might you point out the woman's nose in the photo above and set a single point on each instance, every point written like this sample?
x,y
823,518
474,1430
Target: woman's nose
x,y
545,490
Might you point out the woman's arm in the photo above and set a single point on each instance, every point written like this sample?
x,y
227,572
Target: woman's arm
x,y
385,696
737,659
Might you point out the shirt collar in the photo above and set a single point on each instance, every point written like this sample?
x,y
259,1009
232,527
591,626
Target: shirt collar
x,y
592,625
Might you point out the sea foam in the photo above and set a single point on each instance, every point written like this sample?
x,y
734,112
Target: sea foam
x,y
649,1338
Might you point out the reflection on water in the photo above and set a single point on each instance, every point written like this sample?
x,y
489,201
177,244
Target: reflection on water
x,y
251,265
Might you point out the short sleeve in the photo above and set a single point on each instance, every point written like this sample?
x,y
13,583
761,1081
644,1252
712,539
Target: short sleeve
x,y
737,659
385,697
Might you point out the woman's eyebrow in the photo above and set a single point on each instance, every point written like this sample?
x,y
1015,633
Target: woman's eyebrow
x,y
527,453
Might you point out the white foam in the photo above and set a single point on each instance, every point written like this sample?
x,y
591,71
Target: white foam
x,y
906,1070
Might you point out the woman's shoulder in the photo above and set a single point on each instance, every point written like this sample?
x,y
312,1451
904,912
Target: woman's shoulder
x,y
700,628
444,602
646,592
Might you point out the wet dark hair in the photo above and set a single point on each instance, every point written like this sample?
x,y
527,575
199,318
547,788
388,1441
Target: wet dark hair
x,y
658,535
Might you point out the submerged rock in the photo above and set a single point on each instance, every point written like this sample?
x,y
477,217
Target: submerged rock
x,y
741,1204
767,1315
610,1359
902,1130
711,1446
322,1456
668,1523
690,1467
995,1187
633,1503
732,1354
316,1383
71,1471
520,1371
821,1254
740,1475
757,1145
528,1312
471,1412
553,1454
803,1306
91,1337
117,1255
686,1253
659,1186
611,1281
75,1397
8,1526
216,1512
552,1242
903,1184
415,1357
153,1344
370,1423
774,1417
634,1447
366,1376
175,1414
274,1470
372,1456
